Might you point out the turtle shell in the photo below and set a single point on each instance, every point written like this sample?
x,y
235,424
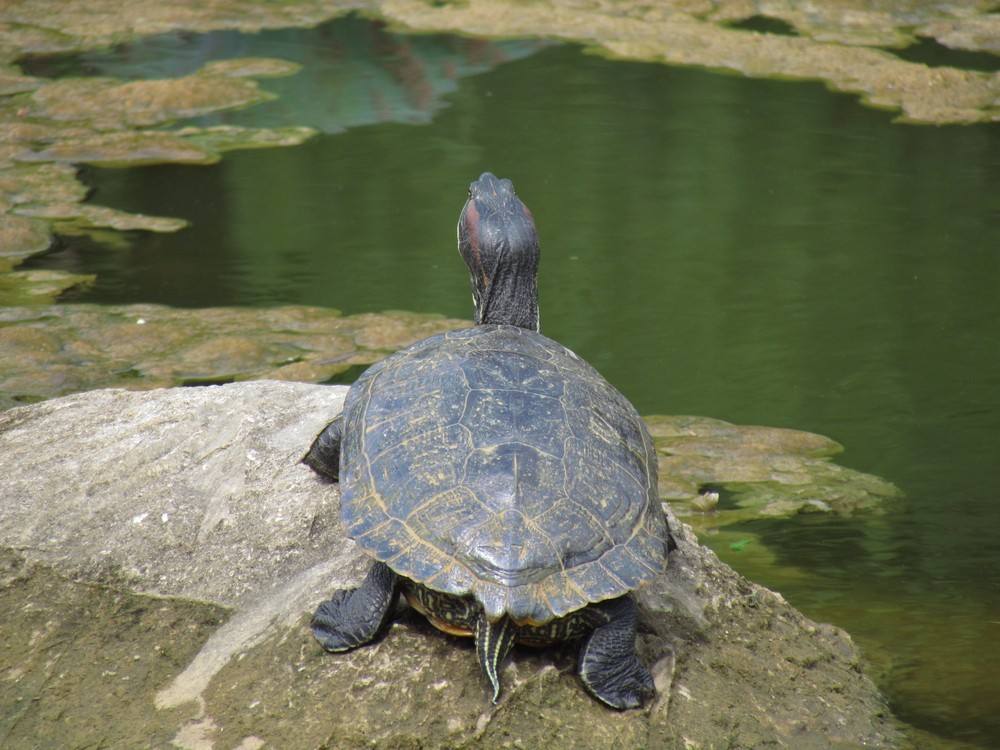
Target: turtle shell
x,y
494,462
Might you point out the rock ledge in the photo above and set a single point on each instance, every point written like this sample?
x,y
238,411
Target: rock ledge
x,y
197,493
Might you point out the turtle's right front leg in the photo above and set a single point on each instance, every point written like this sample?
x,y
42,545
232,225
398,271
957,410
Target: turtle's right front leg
x,y
323,456
353,617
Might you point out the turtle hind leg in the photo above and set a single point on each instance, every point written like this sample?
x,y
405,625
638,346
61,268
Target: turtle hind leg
x,y
323,455
353,617
493,643
608,665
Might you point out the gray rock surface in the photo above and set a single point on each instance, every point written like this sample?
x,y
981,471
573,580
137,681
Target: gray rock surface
x,y
197,493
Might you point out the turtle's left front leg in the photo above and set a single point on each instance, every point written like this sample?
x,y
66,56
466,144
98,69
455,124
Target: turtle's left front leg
x,y
608,664
323,456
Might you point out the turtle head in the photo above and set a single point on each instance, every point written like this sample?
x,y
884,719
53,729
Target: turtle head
x,y
498,242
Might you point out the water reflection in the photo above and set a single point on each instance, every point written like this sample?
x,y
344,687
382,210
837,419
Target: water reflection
x,y
355,72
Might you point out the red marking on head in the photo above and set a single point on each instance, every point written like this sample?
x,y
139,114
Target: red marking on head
x,y
472,232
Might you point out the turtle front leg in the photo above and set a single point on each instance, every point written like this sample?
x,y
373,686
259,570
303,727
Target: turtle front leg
x,y
608,665
493,642
353,617
323,455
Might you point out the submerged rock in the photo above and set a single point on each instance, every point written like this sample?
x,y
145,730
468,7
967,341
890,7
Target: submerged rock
x,y
765,471
38,286
87,215
198,493
220,138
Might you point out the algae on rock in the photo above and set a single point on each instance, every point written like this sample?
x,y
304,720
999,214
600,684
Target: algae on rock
x,y
770,472
38,286
58,349
46,127
685,33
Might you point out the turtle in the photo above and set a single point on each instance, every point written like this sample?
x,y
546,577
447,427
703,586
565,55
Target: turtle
x,y
500,483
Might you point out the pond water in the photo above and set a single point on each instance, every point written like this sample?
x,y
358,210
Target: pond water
x,y
759,251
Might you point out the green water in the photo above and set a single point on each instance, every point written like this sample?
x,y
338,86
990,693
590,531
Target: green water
x,y
763,252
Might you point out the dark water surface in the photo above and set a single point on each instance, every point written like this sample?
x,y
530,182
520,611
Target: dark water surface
x,y
762,252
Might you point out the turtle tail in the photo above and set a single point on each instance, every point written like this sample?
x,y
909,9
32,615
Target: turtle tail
x,y
493,643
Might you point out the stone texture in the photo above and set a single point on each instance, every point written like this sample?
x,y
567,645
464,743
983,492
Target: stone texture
x,y
198,493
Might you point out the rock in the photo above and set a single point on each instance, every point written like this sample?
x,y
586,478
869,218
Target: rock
x,y
197,493
978,33
13,82
767,472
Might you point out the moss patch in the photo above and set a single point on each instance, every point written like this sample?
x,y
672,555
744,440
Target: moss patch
x,y
46,127
59,349
764,472
834,45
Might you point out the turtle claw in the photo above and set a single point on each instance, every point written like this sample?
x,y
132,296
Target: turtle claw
x,y
609,667
353,617
627,684
328,624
